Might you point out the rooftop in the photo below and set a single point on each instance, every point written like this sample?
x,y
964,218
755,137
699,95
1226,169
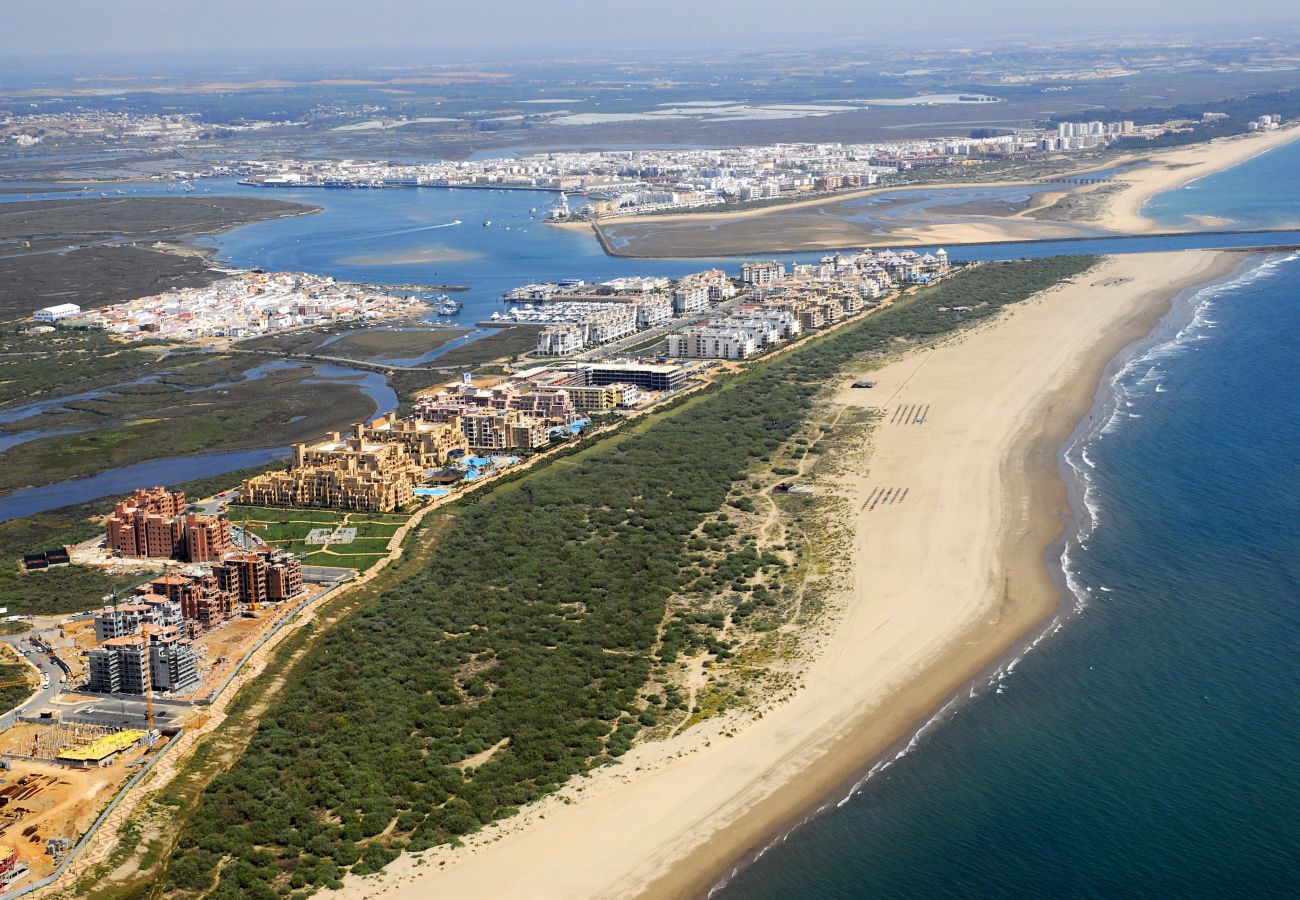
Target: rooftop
x,y
103,746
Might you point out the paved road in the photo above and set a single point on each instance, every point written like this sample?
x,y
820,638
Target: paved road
x,y
43,696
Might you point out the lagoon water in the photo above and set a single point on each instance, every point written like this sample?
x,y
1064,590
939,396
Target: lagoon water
x,y
436,236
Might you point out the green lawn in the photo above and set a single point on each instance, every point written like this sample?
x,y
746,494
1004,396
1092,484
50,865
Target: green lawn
x,y
288,530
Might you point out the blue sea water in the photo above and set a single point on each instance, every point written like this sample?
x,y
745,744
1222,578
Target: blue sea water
x,y
1149,744
1257,194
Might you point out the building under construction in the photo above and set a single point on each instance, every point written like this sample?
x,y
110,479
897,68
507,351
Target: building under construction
x,y
162,660
263,576
83,746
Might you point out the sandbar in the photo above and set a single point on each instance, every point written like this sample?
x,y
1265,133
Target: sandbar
x,y
437,253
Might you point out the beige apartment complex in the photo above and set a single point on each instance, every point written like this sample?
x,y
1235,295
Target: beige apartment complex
x,y
428,444
352,473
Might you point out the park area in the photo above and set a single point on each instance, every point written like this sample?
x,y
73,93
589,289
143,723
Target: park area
x,y
322,537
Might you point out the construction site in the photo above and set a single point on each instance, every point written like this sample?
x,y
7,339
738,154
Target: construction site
x,y
55,779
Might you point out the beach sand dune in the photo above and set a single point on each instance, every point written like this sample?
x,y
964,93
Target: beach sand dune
x,y
942,583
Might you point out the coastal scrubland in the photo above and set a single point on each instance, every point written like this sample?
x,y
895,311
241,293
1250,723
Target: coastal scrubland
x,y
375,343
516,653
33,366
16,678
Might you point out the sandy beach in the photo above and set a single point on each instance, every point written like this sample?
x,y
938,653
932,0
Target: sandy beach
x,y
942,583
826,223
1175,168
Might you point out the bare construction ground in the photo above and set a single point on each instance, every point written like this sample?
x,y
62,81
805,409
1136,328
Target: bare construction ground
x,y
40,799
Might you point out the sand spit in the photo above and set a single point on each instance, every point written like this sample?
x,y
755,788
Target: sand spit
x,y
836,222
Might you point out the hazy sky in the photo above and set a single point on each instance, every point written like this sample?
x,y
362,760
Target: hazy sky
x,y
465,26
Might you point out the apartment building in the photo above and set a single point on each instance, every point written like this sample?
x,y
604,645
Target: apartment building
x,y
203,604
504,417
117,666
712,342
207,538
560,340
352,473
428,444
654,310
495,430
163,661
778,323
637,284
128,618
761,273
152,523
173,664
608,322
690,297
263,576
283,577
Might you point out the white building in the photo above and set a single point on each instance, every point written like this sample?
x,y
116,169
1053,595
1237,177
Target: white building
x,y
689,297
609,323
637,284
56,313
559,340
712,342
652,311
758,273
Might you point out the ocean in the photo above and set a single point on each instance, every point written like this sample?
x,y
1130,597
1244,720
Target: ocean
x,y
1149,744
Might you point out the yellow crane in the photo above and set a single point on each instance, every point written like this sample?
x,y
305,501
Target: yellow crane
x,y
248,548
145,628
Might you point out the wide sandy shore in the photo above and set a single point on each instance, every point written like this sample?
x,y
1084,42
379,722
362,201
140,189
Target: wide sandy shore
x,y
827,223
943,583
1175,168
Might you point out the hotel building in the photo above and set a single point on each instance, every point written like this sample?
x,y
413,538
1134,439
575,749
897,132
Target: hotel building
x,y
353,473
